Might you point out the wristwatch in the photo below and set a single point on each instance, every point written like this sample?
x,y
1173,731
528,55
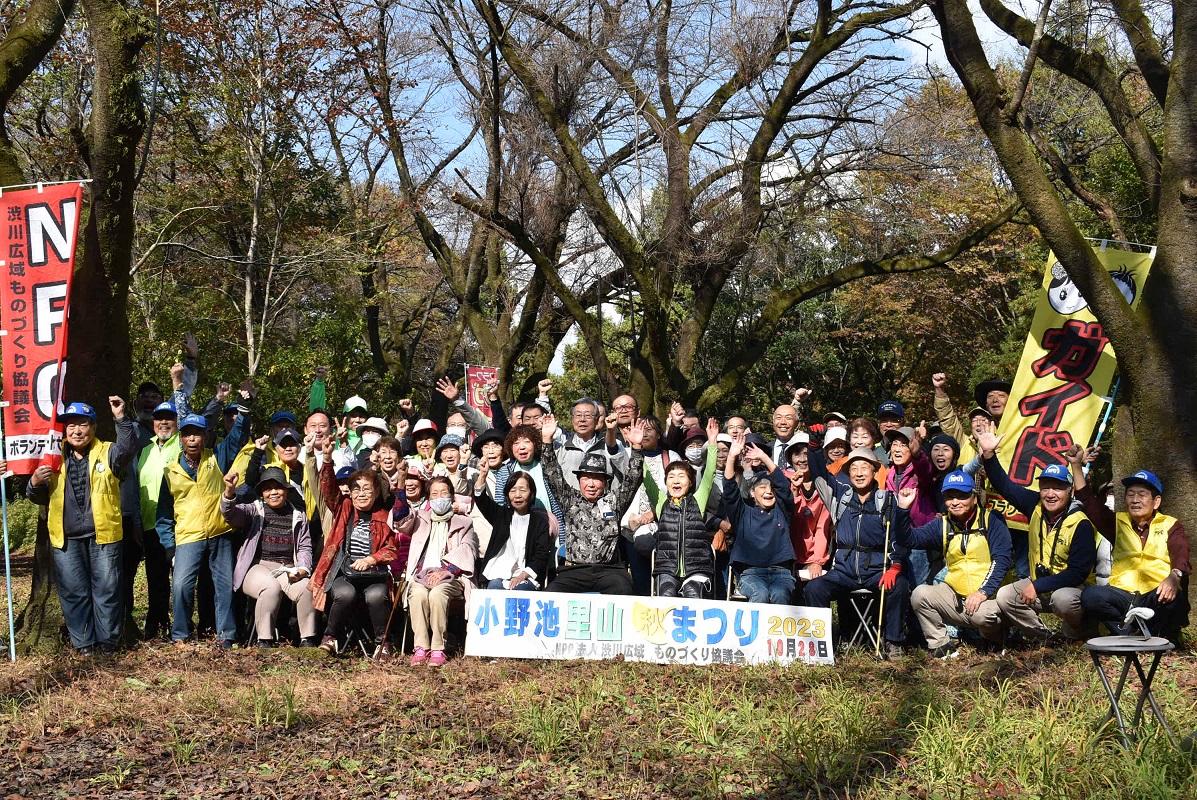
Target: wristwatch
x,y
1177,574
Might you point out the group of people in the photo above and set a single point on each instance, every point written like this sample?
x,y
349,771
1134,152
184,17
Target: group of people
x,y
330,530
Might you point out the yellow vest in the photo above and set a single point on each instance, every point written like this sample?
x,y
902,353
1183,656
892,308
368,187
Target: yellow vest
x,y
241,460
1050,547
105,498
197,502
1140,567
968,568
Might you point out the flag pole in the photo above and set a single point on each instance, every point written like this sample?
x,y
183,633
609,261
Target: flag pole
x,y
1105,418
12,633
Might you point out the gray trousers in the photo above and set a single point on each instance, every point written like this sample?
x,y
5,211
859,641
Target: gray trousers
x,y
938,605
1064,603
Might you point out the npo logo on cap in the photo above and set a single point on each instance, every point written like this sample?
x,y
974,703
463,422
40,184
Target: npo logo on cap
x,y
1146,478
958,481
1056,472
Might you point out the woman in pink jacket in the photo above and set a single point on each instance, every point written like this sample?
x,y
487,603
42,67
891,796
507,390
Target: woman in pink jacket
x,y
909,466
440,565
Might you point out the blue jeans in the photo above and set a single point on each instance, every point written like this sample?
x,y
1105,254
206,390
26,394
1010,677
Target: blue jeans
x,y
89,589
497,583
218,552
920,567
767,584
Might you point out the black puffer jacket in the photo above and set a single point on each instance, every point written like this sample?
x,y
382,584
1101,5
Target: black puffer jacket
x,y
682,541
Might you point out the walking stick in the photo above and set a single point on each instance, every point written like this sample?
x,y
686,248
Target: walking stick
x,y
881,605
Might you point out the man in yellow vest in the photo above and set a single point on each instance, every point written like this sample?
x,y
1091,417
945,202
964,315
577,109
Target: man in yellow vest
x,y
1151,555
85,523
976,550
1061,548
162,448
190,523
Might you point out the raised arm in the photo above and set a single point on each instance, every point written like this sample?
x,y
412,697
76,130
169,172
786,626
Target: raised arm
x,y
1020,497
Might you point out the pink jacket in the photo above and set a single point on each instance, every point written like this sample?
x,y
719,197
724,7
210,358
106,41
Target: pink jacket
x,y
918,473
461,551
810,530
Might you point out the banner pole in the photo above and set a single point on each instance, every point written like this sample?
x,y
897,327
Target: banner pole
x,y
1105,418
12,633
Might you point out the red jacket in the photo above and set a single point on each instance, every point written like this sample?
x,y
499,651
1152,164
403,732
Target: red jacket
x,y
345,516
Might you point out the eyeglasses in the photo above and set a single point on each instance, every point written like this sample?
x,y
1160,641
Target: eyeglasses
x,y
624,407
361,489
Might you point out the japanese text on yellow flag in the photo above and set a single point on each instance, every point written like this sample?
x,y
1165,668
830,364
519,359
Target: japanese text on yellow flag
x,y
1064,374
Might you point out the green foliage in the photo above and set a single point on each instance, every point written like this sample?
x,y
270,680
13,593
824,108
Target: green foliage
x,y
22,524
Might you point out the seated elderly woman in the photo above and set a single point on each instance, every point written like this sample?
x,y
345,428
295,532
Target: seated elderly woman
x,y
520,546
356,558
440,566
275,560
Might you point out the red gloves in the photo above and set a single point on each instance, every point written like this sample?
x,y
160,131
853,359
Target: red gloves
x,y
889,577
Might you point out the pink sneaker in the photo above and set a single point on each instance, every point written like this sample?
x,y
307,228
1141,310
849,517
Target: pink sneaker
x,y
419,656
437,658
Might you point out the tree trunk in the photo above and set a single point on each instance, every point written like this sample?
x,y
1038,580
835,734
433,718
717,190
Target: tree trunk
x,y
98,340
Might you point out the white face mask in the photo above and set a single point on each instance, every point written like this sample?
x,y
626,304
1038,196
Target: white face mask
x,y
454,430
441,505
371,438
694,454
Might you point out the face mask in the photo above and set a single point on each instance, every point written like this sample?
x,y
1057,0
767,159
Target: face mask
x,y
454,430
441,505
371,438
694,454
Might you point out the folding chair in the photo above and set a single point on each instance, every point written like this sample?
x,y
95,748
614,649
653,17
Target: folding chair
x,y
1129,647
867,623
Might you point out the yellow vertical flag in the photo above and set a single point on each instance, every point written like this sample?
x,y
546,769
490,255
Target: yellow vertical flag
x,y
1064,374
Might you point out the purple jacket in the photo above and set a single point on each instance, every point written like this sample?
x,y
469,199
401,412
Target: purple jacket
x,y
918,473
248,517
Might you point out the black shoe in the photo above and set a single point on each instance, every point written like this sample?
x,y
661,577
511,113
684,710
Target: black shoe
x,y
891,650
106,649
309,641
225,644
85,652
946,651
265,644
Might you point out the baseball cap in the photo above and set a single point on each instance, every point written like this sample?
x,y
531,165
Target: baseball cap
x,y
165,408
1056,472
78,411
1145,478
354,402
958,481
287,433
193,421
891,408
272,474
279,417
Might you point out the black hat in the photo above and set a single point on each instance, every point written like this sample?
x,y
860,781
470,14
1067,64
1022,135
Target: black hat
x,y
272,474
490,435
943,438
992,385
757,439
593,464
148,386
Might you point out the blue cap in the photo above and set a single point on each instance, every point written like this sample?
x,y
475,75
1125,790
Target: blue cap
x,y
285,434
279,417
344,472
79,410
891,408
193,421
1056,472
165,408
958,481
1145,478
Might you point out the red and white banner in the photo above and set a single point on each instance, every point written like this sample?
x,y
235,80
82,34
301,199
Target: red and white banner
x,y
37,257
477,379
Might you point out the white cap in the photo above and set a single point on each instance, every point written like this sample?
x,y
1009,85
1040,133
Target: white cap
x,y
424,425
836,434
355,402
374,424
